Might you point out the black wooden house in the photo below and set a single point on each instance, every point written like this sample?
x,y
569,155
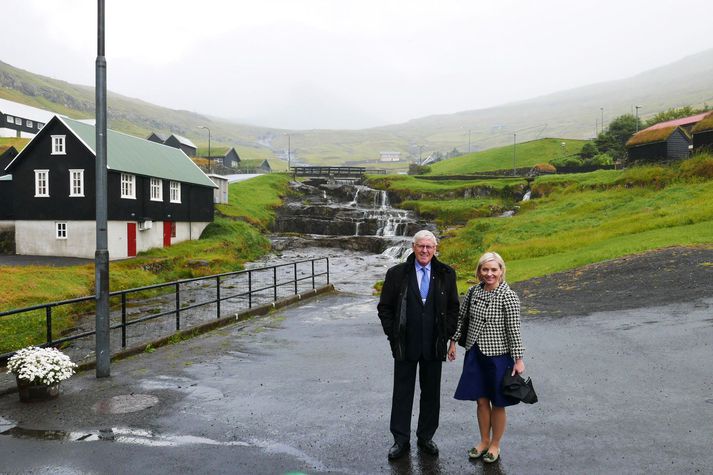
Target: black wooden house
x,y
703,134
156,195
659,144
178,141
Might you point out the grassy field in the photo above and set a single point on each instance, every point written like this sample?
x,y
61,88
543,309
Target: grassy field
x,y
233,238
585,218
527,154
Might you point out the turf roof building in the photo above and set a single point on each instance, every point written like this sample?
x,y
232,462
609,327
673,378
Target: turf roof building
x,y
156,195
703,134
669,140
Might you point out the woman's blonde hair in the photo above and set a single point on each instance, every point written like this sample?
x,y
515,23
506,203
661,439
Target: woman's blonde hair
x,y
487,257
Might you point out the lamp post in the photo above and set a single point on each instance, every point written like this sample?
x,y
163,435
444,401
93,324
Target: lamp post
x,y
602,109
637,117
420,148
101,254
514,143
210,168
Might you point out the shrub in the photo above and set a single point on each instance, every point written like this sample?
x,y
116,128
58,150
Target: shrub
x,y
414,169
567,162
602,159
589,150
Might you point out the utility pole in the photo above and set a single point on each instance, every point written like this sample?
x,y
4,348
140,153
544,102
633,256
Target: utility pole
x,y
210,163
602,109
514,143
468,140
101,255
637,117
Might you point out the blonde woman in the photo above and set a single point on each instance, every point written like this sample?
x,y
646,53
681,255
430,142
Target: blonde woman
x,y
490,320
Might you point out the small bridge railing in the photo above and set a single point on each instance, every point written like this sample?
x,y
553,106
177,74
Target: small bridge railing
x,y
172,301
336,172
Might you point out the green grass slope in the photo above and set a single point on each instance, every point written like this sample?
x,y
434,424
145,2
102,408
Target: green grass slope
x,y
579,219
526,154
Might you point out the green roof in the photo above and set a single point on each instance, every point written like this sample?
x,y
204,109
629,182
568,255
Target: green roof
x,y
651,135
139,156
704,125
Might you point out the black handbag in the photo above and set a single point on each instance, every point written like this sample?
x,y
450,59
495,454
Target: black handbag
x,y
466,320
518,388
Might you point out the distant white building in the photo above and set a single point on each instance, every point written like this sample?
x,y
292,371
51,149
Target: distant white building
x,y
19,120
390,156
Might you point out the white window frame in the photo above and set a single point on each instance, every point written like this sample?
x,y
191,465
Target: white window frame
x,y
10,119
76,189
175,187
128,186
40,125
59,145
28,123
42,183
60,230
156,186
18,121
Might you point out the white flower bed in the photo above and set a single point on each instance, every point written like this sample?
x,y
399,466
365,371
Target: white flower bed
x,y
41,365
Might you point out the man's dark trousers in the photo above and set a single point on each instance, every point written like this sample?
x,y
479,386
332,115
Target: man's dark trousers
x,y
421,355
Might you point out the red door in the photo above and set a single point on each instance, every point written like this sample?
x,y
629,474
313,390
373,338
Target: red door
x,y
131,239
166,233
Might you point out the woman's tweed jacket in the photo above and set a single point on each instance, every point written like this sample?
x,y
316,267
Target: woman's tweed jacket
x,y
494,321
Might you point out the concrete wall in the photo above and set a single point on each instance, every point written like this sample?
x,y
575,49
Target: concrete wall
x,y
38,238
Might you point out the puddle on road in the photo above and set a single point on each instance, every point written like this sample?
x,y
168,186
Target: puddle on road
x,y
118,435
125,403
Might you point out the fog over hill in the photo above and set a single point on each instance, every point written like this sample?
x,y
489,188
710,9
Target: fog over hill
x,y
573,113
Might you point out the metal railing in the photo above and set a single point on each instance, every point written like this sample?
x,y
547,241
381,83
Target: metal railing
x,y
228,292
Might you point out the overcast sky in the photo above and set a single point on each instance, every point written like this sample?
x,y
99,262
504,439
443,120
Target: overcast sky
x,y
349,63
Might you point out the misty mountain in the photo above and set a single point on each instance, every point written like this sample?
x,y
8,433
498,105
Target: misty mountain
x,y
572,113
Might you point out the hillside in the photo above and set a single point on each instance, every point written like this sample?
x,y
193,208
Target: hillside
x,y
571,114
526,154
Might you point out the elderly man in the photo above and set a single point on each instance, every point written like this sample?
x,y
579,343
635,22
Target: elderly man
x,y
418,309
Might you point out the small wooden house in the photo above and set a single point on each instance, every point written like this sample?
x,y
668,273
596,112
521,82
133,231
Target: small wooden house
x,y
154,137
659,143
178,141
703,134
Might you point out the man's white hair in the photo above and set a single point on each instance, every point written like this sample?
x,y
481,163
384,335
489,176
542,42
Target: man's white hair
x,y
425,234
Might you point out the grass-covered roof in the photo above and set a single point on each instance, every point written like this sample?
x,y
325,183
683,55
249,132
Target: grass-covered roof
x,y
704,125
652,135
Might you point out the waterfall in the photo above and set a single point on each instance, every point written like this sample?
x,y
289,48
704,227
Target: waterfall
x,y
526,196
398,252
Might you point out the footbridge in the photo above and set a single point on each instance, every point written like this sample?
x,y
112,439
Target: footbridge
x,y
335,172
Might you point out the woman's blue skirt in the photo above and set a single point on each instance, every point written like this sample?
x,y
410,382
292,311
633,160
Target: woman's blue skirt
x,y
483,377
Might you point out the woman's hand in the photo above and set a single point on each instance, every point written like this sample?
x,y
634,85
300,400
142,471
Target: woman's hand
x,y
519,367
452,351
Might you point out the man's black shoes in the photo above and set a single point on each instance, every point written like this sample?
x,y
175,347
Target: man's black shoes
x,y
429,447
399,450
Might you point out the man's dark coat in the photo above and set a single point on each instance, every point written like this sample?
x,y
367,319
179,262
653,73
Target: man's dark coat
x,y
392,306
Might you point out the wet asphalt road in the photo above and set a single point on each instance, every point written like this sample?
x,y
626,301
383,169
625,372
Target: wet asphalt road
x,y
307,389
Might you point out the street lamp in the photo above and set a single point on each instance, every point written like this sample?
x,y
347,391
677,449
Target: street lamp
x,y
420,148
602,109
210,168
637,117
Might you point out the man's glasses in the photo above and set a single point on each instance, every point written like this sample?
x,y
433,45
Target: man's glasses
x,y
425,247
